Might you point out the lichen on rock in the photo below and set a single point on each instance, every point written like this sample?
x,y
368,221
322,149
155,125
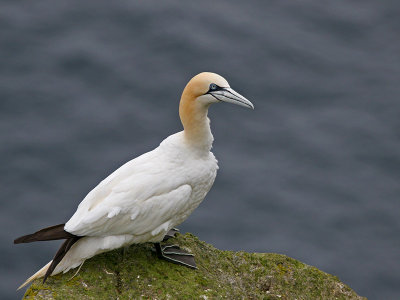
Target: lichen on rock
x,y
136,273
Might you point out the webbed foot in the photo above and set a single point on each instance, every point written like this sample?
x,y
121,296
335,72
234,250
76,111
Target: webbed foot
x,y
176,255
170,234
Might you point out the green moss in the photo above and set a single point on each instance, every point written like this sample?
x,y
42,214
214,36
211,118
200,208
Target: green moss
x,y
138,273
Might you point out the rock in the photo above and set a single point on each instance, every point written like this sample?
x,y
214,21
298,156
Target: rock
x,y
136,272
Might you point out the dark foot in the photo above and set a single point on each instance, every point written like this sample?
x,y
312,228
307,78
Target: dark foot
x,y
170,234
176,255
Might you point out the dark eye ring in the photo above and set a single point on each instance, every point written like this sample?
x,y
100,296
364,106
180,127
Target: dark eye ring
x,y
213,86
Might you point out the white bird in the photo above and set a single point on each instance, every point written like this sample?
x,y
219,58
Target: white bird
x,y
147,197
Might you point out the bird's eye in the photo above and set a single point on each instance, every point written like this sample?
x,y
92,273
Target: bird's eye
x,y
213,86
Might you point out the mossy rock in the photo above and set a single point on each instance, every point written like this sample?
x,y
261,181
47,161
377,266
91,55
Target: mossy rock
x,y
136,273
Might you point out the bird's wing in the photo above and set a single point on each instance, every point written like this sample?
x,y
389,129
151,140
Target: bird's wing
x,y
118,215
136,199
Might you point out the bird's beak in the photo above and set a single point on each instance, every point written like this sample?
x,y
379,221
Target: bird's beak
x,y
227,94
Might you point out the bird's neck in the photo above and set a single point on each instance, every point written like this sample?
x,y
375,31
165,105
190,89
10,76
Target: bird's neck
x,y
196,124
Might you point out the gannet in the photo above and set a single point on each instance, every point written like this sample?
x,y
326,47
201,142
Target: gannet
x,y
146,198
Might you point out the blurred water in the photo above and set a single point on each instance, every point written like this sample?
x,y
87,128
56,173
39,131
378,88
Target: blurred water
x,y
313,172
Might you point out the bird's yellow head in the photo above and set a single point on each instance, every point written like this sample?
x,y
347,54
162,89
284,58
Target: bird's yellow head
x,y
201,91
206,88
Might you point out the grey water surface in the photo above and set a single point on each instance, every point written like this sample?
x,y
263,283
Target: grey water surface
x,y
313,172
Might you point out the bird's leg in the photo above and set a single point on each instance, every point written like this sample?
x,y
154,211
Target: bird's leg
x,y
170,234
175,255
125,250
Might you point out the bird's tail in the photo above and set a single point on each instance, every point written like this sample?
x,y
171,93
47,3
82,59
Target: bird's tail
x,y
56,232
38,274
74,251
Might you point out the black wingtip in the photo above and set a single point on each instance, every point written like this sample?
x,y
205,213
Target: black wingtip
x,y
23,239
60,255
56,232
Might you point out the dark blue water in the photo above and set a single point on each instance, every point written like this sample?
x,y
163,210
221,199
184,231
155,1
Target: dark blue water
x,y
313,172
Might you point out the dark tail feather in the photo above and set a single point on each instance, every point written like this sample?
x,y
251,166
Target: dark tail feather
x,y
56,232
60,254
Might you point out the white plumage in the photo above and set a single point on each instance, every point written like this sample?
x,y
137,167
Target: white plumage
x,y
146,197
127,210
